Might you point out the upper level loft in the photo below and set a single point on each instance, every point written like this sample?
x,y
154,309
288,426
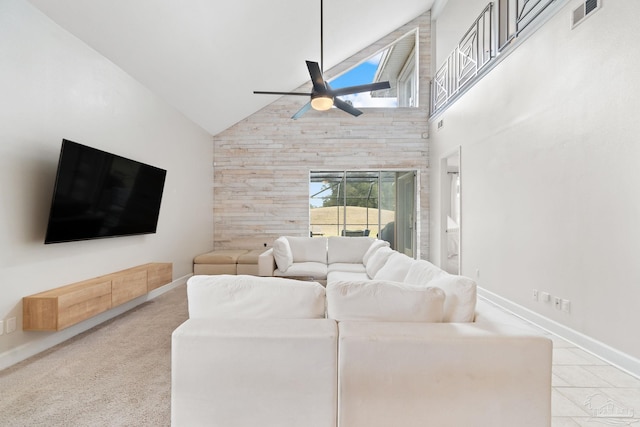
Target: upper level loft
x,y
498,30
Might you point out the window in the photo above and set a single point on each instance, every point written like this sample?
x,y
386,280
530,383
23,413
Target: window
x,y
378,204
408,84
397,64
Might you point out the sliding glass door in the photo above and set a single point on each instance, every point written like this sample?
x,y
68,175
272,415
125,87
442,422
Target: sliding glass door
x,y
379,204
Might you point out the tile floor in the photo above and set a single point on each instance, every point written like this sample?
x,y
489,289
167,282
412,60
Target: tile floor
x,y
583,382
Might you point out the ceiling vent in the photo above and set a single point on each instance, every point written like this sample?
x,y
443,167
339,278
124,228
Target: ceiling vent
x,y
583,11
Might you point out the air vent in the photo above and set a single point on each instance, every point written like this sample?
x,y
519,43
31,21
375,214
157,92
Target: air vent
x,y
583,11
590,6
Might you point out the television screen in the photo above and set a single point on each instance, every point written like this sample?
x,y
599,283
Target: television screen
x,y
98,194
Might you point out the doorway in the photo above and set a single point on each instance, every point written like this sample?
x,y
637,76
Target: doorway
x,y
406,194
451,214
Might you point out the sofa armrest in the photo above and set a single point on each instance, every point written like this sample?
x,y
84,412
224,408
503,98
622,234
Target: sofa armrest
x,y
455,374
266,263
254,372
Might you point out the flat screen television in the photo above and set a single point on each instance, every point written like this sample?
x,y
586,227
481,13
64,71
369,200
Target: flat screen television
x,y
99,194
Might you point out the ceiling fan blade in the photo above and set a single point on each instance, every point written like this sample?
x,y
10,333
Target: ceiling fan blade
x,y
301,111
316,77
360,88
346,107
259,92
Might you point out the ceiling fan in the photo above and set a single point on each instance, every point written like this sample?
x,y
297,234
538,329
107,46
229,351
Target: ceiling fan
x,y
323,97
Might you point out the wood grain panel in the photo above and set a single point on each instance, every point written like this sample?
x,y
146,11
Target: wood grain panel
x,y
83,310
159,274
128,285
40,314
65,306
83,291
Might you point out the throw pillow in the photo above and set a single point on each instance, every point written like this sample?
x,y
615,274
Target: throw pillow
x,y
282,253
383,301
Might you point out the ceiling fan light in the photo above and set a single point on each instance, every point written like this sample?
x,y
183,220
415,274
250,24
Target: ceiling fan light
x,y
321,102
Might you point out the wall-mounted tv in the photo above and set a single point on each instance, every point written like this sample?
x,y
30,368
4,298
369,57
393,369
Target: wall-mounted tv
x,y
99,194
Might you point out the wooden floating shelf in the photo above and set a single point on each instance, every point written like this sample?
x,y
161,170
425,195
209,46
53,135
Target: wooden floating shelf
x,y
65,306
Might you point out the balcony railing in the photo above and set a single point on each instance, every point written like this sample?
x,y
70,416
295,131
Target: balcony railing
x,y
474,52
477,49
516,15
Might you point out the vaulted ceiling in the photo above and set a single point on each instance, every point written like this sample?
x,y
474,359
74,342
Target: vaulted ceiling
x,y
205,57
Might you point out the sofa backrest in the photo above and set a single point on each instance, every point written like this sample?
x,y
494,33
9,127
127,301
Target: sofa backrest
x,y
308,249
382,301
396,268
460,297
250,297
422,272
377,260
288,249
348,249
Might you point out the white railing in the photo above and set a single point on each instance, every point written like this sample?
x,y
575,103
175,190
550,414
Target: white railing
x,y
475,51
515,16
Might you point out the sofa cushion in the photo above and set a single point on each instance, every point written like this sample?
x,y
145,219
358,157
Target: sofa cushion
x,y
396,268
377,260
422,272
221,256
308,249
251,297
377,244
335,276
348,249
282,253
344,266
376,300
461,296
317,270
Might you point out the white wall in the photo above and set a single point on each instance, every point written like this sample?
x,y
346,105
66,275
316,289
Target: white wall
x,y
450,24
53,86
549,176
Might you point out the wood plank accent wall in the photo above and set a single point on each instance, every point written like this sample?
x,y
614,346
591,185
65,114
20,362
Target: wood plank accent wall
x,y
262,164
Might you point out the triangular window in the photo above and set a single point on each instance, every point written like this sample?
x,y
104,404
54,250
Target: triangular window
x,y
396,63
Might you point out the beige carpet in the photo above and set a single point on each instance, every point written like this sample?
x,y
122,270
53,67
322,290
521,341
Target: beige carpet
x,y
116,374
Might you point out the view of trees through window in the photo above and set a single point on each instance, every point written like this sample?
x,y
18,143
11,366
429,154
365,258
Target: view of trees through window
x,y
354,203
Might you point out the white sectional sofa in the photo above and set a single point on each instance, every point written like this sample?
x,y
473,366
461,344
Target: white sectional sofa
x,y
319,258
367,350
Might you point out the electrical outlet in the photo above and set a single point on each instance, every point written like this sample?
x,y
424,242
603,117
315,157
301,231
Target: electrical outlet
x,y
535,295
1,327
557,302
566,305
11,324
546,297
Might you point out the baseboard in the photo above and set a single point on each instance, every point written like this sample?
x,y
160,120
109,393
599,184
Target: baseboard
x,y
623,361
51,339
